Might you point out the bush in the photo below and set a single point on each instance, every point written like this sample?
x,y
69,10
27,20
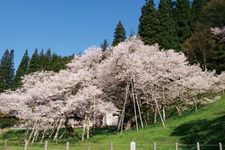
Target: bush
x,y
7,122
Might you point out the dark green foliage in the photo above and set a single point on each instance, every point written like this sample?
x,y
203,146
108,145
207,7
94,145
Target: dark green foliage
x,y
196,10
213,14
119,34
34,62
11,72
7,70
58,63
48,58
104,45
202,47
149,23
38,62
167,35
7,122
42,60
22,70
48,61
183,19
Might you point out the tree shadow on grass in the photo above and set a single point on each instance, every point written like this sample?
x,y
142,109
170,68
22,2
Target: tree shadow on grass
x,y
207,132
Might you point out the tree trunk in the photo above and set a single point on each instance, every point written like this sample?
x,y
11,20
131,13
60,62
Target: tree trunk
x,y
179,111
128,124
84,127
155,115
164,113
69,129
88,127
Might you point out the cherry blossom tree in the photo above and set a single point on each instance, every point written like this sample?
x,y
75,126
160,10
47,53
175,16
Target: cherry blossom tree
x,y
128,80
136,75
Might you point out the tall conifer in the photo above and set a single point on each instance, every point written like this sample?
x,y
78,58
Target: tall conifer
x,y
149,23
167,35
22,69
119,34
7,70
34,62
183,19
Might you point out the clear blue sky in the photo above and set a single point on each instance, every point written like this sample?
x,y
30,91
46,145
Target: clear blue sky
x,y
65,26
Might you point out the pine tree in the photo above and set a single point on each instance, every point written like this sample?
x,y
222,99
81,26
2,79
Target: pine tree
x,y
213,14
48,58
22,70
119,34
4,68
149,23
183,19
34,62
11,75
7,70
167,35
196,10
42,61
104,45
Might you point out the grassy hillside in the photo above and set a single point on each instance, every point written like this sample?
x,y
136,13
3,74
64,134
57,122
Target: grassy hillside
x,y
206,126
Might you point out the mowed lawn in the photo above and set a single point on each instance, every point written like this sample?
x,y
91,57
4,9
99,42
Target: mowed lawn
x,y
206,126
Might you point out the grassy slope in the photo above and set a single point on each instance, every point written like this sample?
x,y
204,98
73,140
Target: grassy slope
x,y
206,126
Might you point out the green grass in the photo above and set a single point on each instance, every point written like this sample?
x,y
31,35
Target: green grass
x,y
206,126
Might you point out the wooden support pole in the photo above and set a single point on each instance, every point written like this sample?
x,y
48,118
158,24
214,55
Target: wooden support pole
x,y
177,147
155,146
157,106
120,126
139,110
67,146
198,146
26,145
5,144
134,103
221,146
46,145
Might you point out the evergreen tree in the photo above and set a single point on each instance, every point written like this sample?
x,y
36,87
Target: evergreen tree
x,y
104,45
42,61
167,35
119,34
60,62
11,75
34,62
196,10
22,70
213,14
183,19
7,70
149,23
202,47
48,58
